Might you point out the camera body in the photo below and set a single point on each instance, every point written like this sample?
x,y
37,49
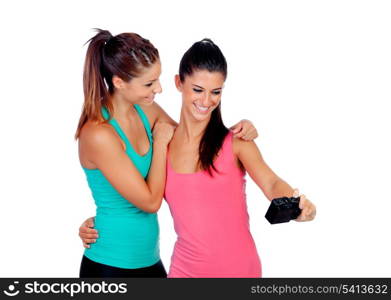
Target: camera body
x,y
282,210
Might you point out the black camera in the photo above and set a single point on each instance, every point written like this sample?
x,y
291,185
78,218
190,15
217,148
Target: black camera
x,y
283,210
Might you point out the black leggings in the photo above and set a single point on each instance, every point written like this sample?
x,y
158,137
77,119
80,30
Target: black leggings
x,y
92,269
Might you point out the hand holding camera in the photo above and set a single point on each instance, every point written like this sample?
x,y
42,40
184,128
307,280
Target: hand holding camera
x,y
284,209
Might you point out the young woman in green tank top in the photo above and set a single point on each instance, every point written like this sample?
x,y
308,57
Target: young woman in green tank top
x,y
123,136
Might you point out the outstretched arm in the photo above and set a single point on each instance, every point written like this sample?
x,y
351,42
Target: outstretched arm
x,y
268,181
272,186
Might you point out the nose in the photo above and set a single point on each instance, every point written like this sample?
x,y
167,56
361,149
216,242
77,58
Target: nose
x,y
158,88
206,99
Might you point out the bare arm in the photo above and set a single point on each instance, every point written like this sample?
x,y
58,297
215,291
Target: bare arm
x,y
271,185
106,152
252,160
157,114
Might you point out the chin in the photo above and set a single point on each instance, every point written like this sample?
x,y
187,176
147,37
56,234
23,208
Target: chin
x,y
202,117
147,101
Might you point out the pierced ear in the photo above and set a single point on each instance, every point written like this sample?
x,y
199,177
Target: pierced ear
x,y
178,83
117,82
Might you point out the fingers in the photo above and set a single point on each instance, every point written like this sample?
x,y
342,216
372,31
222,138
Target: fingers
x,y
303,216
84,235
308,212
300,218
87,238
308,209
87,230
303,201
250,135
249,131
86,242
245,130
89,241
311,213
253,134
90,222
237,128
240,134
88,235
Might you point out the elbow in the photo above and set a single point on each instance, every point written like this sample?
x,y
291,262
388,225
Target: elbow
x,y
147,204
153,206
152,209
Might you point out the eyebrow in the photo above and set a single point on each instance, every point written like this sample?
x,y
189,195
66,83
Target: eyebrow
x,y
219,88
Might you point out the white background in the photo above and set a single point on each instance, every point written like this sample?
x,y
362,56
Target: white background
x,y
313,76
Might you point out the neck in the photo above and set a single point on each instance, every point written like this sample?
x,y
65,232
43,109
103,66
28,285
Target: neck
x,y
190,129
123,110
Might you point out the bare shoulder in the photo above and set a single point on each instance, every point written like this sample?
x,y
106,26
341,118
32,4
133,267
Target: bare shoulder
x,y
98,135
151,111
239,146
157,114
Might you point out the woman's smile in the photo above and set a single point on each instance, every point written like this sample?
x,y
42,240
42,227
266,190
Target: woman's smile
x,y
201,109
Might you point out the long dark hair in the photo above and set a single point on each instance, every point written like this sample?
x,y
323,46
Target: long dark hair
x,y
206,55
123,55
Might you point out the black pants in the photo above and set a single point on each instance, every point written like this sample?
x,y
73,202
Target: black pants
x,y
91,269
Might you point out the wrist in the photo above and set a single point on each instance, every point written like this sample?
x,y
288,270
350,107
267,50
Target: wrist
x,y
160,145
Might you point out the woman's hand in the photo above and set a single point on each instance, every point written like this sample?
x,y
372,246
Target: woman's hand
x,y
87,234
163,132
245,130
308,212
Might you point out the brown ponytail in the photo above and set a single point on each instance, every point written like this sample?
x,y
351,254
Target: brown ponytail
x,y
124,55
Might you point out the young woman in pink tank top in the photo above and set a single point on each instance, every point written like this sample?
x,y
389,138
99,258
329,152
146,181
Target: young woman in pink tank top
x,y
205,185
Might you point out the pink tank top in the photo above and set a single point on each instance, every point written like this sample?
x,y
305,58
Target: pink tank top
x,y
211,221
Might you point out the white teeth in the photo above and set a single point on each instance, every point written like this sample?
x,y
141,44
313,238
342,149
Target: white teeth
x,y
202,108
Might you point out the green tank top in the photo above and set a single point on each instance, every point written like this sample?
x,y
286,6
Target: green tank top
x,y
128,236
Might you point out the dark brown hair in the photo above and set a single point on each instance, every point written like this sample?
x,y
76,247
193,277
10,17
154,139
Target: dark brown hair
x,y
205,55
124,55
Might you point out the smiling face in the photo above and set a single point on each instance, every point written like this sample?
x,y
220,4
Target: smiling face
x,y
201,93
141,89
